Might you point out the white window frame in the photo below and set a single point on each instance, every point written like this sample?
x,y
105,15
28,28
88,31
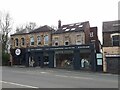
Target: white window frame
x,y
16,42
30,41
91,34
65,42
38,40
24,41
45,41
56,42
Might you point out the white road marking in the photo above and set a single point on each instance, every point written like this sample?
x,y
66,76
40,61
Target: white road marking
x,y
43,72
28,86
73,77
61,75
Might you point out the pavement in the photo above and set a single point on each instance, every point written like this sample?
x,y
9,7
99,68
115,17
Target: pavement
x,y
22,77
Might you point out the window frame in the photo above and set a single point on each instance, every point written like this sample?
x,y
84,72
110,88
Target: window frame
x,y
31,40
39,41
22,41
16,42
45,39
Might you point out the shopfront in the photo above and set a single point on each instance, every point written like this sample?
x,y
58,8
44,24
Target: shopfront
x,y
70,57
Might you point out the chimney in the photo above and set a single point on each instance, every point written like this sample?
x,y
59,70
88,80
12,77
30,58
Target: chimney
x,y
59,24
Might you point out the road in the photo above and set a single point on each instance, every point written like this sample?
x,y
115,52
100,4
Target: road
x,y
16,77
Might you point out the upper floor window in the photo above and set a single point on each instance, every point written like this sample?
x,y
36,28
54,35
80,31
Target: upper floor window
x,y
22,41
38,40
66,43
116,40
91,34
31,40
78,39
46,39
56,43
12,42
16,42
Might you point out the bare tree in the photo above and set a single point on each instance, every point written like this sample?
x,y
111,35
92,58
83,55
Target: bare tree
x,y
5,26
31,25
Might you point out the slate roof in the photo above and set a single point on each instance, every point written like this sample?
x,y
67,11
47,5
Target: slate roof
x,y
111,26
75,27
44,28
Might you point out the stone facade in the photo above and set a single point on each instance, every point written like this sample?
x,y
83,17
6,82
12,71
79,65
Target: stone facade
x,y
71,37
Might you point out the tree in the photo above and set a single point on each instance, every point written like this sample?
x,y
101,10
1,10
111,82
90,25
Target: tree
x,y
30,26
5,26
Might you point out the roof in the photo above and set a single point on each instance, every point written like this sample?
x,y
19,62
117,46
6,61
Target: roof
x,y
75,27
24,31
44,28
111,26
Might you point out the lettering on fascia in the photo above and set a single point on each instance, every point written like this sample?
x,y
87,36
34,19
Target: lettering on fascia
x,y
84,47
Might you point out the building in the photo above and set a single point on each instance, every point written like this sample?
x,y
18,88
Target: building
x,y
68,47
111,46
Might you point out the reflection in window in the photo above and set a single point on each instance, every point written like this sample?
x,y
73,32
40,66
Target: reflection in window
x,y
116,40
38,40
46,40
32,40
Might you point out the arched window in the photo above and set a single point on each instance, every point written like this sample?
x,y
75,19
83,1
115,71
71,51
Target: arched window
x,y
31,40
116,40
46,40
38,40
22,41
16,42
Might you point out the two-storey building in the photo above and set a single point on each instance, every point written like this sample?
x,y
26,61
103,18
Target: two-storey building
x,y
111,46
67,47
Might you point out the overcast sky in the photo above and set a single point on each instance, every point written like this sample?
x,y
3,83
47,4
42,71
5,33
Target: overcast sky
x,y
48,12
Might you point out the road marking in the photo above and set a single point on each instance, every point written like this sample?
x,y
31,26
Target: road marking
x,y
61,76
43,72
73,77
28,86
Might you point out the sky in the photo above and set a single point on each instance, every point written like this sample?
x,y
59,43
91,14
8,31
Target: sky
x,y
48,12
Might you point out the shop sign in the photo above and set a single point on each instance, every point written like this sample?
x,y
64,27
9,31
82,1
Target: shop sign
x,y
17,52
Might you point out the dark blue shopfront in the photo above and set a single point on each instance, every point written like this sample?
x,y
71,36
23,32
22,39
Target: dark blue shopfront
x,y
71,54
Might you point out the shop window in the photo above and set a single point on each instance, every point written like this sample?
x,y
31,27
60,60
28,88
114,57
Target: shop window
x,y
16,42
38,40
22,41
46,40
32,40
116,40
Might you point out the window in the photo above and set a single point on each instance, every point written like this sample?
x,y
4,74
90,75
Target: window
x,y
38,40
16,42
32,40
12,42
66,43
56,43
116,40
46,40
78,39
22,41
91,34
